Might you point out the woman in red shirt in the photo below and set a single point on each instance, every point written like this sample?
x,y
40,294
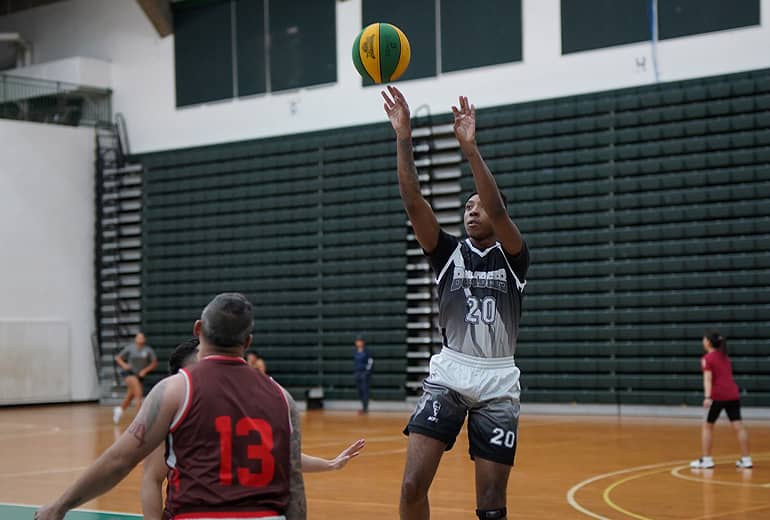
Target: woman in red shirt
x,y
720,393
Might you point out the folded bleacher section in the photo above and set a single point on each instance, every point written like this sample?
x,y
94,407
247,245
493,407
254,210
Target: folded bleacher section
x,y
310,227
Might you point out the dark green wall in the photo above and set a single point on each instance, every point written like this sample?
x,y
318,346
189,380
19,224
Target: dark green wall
x,y
647,211
310,227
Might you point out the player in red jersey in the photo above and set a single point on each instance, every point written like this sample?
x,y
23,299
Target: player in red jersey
x,y
720,393
232,456
155,470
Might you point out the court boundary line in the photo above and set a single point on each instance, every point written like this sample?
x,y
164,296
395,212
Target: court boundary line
x,y
572,501
608,491
79,510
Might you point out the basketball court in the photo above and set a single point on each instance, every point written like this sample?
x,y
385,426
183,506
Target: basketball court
x,y
567,467
156,153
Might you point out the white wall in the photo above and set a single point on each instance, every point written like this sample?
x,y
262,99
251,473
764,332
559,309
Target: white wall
x,y
143,72
46,232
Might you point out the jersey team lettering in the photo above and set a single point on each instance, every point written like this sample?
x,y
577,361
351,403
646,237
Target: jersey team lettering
x,y
466,279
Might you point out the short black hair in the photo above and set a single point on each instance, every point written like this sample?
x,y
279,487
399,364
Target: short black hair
x,y
182,352
502,196
227,320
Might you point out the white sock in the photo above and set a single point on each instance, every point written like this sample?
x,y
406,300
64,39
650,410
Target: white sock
x,y
707,459
746,459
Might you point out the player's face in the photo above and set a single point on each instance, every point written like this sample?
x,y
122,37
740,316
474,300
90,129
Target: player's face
x,y
478,226
140,340
706,344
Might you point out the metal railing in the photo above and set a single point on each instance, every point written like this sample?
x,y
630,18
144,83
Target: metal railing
x,y
55,102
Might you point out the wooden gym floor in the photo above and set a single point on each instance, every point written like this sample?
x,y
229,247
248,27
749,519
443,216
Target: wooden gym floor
x,y
566,467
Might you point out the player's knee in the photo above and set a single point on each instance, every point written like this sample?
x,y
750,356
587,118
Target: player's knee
x,y
412,490
491,499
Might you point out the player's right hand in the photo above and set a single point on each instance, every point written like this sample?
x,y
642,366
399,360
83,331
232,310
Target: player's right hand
x,y
348,453
49,513
398,111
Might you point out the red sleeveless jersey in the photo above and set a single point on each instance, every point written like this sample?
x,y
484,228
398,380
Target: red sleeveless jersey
x,y
228,451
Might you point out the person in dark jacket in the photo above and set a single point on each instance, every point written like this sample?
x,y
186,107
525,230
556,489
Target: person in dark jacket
x,y
362,369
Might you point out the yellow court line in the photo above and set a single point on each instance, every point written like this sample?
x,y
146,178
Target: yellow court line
x,y
572,492
613,505
572,501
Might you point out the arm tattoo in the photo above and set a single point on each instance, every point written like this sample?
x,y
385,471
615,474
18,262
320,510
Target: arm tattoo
x,y
297,508
148,414
139,431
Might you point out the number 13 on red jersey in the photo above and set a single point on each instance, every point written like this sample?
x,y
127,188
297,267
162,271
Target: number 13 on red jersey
x,y
261,452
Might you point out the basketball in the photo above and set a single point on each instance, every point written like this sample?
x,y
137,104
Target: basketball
x,y
381,52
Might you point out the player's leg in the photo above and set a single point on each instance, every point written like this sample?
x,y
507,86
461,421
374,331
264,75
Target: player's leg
x,y
135,389
129,393
707,437
432,429
138,392
491,487
733,409
423,455
360,388
367,382
493,436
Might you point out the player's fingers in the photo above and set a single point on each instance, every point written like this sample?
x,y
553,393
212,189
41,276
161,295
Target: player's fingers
x,y
473,110
386,98
455,111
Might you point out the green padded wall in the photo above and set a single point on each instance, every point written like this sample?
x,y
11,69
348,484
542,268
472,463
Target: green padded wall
x,y
310,227
647,211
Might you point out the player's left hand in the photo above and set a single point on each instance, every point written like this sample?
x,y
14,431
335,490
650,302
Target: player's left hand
x,y
707,403
49,513
354,450
465,123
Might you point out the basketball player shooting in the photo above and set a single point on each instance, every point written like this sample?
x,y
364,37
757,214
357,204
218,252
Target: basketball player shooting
x,y
480,286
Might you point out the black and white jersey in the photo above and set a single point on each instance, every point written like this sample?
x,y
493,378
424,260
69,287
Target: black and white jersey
x,y
480,296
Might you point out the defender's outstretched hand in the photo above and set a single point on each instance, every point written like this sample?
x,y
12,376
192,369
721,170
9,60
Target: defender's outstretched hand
x,y
465,123
354,450
398,111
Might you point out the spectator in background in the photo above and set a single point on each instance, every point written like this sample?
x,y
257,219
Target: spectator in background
x,y
362,369
254,360
137,360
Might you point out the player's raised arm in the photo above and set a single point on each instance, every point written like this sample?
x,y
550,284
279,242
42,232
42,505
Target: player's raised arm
x,y
421,215
465,130
149,428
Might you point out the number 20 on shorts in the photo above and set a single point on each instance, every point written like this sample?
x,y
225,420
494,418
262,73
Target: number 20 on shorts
x,y
261,452
501,437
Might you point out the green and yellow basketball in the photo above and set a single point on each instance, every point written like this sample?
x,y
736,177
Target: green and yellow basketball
x,y
381,52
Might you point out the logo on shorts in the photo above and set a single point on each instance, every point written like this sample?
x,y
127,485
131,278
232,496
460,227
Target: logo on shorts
x,y
436,409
